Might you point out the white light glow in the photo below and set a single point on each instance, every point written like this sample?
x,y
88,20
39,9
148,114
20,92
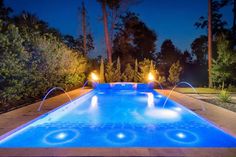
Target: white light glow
x,y
164,114
94,102
150,100
94,77
61,135
150,77
120,135
181,135
177,109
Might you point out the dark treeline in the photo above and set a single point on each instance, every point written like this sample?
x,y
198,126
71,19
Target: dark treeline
x,y
35,57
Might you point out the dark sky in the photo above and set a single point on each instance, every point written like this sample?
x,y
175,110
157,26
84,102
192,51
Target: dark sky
x,y
170,19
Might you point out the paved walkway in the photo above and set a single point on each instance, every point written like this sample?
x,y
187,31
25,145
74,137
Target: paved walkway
x,y
15,118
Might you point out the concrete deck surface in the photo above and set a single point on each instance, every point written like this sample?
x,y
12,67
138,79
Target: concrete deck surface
x,y
223,118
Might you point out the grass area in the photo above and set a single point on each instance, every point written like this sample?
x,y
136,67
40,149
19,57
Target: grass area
x,y
199,90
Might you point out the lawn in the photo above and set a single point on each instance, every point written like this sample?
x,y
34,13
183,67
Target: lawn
x,y
199,90
211,95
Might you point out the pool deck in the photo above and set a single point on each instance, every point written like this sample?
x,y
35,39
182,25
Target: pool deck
x,y
223,118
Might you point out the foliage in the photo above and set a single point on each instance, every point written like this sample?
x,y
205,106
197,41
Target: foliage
x,y
136,72
117,77
168,55
174,73
224,96
4,12
31,63
76,44
101,72
199,49
12,62
146,66
128,75
133,40
31,23
223,67
161,79
218,24
110,72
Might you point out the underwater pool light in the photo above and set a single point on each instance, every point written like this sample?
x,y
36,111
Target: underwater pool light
x,y
177,109
180,135
61,135
120,135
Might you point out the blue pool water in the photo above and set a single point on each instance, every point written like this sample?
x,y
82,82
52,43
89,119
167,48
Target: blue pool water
x,y
119,115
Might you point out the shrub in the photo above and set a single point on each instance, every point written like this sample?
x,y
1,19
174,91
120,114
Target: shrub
x,y
224,96
30,64
128,75
174,73
223,68
136,72
110,72
101,72
117,77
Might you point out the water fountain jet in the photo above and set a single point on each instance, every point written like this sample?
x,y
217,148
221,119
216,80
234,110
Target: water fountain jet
x,y
52,89
167,98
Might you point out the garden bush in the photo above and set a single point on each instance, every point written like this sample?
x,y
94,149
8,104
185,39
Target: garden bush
x,y
32,63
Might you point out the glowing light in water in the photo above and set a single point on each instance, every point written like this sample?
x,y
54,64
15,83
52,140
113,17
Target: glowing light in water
x,y
181,135
94,102
151,77
61,136
150,100
177,109
120,135
164,114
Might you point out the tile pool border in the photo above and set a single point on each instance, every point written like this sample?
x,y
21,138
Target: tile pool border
x,y
211,114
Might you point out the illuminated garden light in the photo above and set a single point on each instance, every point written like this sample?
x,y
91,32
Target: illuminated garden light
x,y
94,77
151,78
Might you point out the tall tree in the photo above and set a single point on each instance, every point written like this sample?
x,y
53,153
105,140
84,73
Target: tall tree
x,y
101,75
77,44
31,23
4,12
85,38
136,73
199,49
84,29
209,42
106,31
133,40
218,24
168,55
224,67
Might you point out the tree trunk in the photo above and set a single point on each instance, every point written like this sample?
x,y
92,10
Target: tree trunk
x,y
107,37
209,42
234,19
84,29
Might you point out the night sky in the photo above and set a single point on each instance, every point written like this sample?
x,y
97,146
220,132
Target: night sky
x,y
170,19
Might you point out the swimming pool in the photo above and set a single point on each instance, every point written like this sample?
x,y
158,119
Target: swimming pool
x,y
119,115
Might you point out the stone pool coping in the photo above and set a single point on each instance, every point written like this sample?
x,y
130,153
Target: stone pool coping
x,y
13,119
